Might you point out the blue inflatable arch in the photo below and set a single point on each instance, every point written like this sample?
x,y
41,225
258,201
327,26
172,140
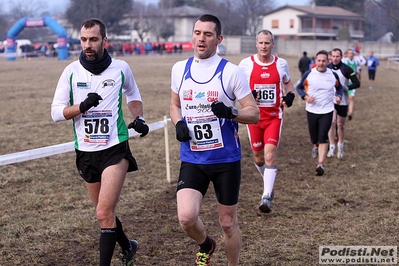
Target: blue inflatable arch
x,y
37,22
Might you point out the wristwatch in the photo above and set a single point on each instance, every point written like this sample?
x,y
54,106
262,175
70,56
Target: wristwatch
x,y
234,112
140,118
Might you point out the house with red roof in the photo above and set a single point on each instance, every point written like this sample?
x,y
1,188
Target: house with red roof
x,y
313,23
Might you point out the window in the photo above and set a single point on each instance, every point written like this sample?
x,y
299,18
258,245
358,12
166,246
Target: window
x,y
274,24
291,23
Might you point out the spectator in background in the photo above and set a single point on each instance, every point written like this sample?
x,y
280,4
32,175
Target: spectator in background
x,y
43,49
180,48
312,62
372,64
148,48
175,47
138,49
304,63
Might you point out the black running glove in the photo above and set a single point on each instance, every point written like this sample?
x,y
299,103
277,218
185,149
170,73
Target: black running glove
x,y
93,99
182,132
256,94
139,126
221,110
289,98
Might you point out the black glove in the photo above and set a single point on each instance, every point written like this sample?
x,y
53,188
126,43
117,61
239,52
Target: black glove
x,y
221,110
182,132
289,98
255,94
139,126
91,100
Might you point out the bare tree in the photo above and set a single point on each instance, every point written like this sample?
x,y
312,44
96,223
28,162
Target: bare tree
x,y
142,21
391,6
20,8
4,25
109,11
25,9
376,23
234,23
252,12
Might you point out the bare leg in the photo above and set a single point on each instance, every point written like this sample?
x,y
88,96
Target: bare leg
x,y
323,147
188,208
232,234
105,195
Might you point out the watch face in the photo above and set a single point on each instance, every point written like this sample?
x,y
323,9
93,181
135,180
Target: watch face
x,y
234,112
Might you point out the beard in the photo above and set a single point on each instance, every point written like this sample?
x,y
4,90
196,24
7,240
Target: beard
x,y
94,56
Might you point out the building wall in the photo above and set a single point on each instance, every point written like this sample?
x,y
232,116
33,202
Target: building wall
x,y
246,44
183,29
296,47
283,17
323,26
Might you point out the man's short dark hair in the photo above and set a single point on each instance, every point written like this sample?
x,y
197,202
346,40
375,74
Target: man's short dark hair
x,y
91,22
305,53
214,19
322,52
337,49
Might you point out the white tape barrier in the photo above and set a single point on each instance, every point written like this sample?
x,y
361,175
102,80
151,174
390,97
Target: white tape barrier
x,y
63,148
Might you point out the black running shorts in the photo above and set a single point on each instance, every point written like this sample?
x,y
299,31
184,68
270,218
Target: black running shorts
x,y
91,164
319,125
226,178
342,110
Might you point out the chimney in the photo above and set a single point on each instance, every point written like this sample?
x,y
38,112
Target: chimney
x,y
313,4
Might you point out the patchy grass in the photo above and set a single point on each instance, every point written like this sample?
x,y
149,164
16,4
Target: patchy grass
x,y
47,217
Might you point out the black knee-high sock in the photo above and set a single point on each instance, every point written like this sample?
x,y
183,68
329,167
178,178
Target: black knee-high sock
x,y
207,245
122,239
107,245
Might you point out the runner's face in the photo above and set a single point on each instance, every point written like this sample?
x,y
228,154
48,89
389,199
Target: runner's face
x,y
350,54
264,44
92,42
205,39
336,57
321,62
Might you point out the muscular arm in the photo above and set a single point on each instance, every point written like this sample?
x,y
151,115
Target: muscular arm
x,y
71,111
175,108
135,108
249,113
289,86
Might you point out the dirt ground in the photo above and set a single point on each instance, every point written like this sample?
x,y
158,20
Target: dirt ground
x,y
46,216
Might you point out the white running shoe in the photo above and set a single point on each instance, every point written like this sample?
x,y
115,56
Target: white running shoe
x,y
315,152
340,153
330,152
265,204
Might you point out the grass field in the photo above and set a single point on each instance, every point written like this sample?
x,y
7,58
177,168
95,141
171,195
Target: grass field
x,y
47,218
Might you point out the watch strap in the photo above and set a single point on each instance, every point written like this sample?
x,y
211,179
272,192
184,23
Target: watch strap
x,y
139,117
